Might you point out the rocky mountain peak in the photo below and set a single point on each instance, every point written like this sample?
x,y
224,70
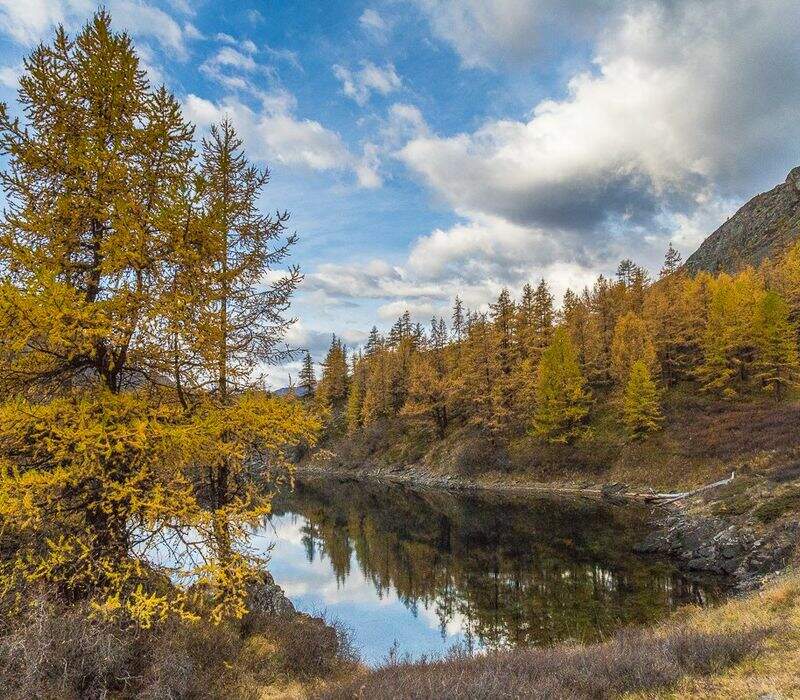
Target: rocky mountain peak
x,y
764,227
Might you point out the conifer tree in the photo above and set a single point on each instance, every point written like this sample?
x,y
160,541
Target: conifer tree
x,y
672,262
378,396
641,402
332,387
94,196
788,282
631,344
458,320
524,321
543,316
777,366
308,379
729,340
374,342
562,400
605,302
103,208
478,373
355,395
427,393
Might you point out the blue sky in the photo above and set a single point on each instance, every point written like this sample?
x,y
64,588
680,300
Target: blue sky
x,y
432,147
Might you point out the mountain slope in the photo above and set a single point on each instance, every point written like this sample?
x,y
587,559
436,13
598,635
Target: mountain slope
x,y
766,225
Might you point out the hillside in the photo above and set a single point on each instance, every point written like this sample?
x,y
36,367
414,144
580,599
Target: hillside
x,y
767,225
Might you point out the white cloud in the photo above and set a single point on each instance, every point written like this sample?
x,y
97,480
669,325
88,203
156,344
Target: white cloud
x,y
27,22
359,85
374,24
496,33
142,19
10,75
31,21
679,115
275,134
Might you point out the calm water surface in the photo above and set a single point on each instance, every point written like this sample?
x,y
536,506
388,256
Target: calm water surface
x,y
425,570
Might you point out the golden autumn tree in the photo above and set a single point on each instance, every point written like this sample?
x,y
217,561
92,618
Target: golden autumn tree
x,y
428,394
631,344
641,401
354,412
99,456
234,322
729,339
777,366
562,400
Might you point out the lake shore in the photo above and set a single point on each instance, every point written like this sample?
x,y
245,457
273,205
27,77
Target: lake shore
x,y
704,531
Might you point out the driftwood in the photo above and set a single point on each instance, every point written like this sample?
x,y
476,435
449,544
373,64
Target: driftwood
x,y
672,497
619,493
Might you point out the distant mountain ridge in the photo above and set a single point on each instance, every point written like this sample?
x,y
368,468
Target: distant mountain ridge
x,y
764,227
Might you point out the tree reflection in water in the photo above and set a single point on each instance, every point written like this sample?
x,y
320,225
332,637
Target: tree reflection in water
x,y
505,570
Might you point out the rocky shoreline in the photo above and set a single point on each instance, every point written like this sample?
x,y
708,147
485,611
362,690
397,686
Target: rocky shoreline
x,y
711,544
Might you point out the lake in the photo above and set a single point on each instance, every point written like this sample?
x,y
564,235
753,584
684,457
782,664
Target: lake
x,y
422,571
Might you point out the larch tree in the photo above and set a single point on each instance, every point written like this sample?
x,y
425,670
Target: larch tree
x,y
478,373
672,262
332,387
562,399
631,344
641,402
377,402
777,366
96,169
99,456
505,352
458,320
729,339
354,412
427,393
308,378
543,318
237,322
788,282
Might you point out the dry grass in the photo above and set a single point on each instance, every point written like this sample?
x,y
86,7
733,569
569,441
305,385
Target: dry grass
x,y
742,649
776,670
55,650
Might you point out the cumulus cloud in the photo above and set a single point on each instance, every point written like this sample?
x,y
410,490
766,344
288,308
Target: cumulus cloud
x,y
678,113
376,279
360,84
496,33
274,133
31,21
680,117
10,75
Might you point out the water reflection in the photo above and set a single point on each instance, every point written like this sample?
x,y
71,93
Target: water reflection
x,y
486,571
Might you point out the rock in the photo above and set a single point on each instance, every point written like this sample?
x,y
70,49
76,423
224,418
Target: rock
x,y
768,224
268,597
729,551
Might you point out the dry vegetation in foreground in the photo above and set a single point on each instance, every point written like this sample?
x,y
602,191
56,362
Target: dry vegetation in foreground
x,y
57,651
742,649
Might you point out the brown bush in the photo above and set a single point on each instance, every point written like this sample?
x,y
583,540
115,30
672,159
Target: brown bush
x,y
633,661
55,650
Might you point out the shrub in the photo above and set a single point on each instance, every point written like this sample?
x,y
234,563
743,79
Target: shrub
x,y
56,650
775,507
633,661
